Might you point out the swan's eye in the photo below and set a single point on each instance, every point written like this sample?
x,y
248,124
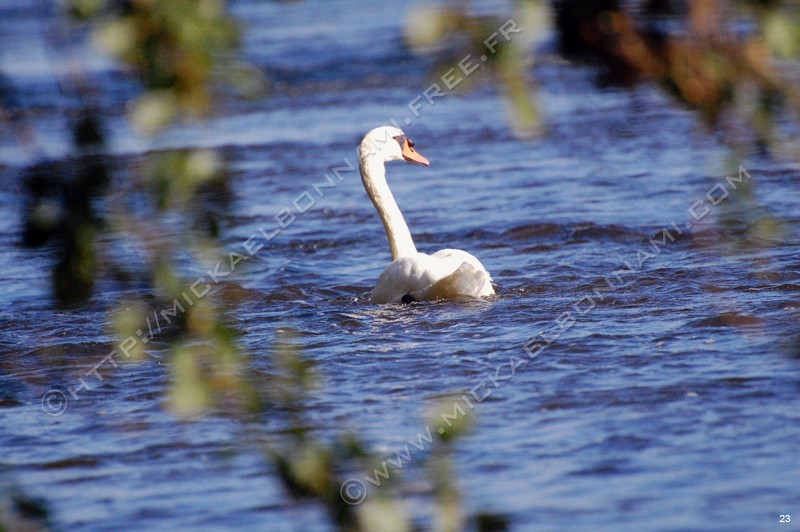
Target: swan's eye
x,y
410,143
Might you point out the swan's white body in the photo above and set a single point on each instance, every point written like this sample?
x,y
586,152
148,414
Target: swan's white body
x,y
412,276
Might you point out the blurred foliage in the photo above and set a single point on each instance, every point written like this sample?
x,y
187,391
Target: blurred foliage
x,y
451,32
307,467
174,46
170,208
723,59
312,469
719,58
60,209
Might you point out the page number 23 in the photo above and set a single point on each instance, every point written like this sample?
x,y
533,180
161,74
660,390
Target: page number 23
x,y
785,519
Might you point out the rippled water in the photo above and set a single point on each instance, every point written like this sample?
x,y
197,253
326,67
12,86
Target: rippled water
x,y
667,402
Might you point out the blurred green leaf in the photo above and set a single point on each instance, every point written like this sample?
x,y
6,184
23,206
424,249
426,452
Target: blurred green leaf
x,y
782,33
190,393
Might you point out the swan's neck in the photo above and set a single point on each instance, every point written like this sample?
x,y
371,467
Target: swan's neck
x,y
373,175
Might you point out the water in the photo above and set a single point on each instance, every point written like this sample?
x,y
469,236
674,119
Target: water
x,y
670,403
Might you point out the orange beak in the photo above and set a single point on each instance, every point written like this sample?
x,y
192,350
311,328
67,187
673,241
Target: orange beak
x,y
412,156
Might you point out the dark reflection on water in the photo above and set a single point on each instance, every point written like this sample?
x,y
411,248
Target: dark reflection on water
x,y
672,404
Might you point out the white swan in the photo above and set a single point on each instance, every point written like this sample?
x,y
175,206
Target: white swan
x,y
412,276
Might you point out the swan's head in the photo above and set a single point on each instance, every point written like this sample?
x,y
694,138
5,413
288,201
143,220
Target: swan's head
x,y
389,143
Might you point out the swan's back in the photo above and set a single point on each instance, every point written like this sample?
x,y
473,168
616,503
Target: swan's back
x,y
448,274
